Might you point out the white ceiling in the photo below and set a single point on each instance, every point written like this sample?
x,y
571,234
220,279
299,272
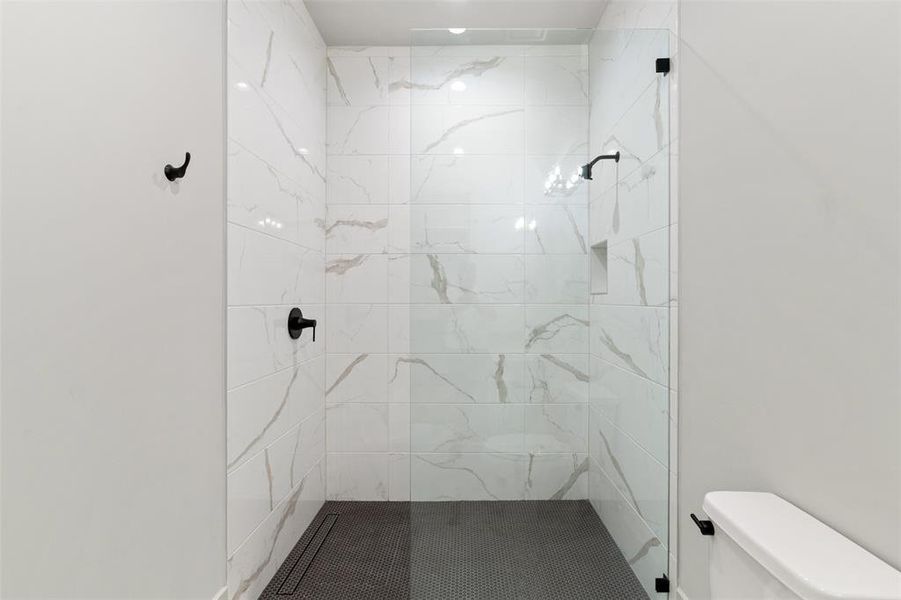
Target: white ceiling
x,y
389,22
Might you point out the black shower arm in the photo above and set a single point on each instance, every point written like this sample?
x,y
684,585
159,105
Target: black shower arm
x,y
615,157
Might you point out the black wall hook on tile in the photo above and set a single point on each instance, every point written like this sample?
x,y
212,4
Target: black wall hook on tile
x,y
173,173
297,323
706,527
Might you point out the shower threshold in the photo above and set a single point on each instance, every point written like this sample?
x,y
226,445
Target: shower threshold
x,y
518,550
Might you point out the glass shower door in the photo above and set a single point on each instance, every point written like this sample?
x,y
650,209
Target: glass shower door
x,y
505,338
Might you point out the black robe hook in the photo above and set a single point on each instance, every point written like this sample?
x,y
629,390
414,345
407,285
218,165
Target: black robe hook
x,y
173,173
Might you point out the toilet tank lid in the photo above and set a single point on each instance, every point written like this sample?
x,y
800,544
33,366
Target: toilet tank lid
x,y
810,558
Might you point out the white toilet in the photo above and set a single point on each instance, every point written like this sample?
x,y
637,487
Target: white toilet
x,y
764,547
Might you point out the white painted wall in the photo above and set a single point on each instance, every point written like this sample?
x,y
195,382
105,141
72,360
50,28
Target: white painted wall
x,y
789,278
276,245
113,300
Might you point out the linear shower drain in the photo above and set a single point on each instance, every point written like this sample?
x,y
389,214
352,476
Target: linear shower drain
x,y
303,562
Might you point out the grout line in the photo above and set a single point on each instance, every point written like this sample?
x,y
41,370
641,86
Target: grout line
x,y
275,237
295,426
296,365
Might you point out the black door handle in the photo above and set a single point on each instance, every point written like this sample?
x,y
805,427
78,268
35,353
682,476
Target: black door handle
x,y
173,173
297,323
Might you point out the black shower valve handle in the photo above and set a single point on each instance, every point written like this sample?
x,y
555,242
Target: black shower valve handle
x,y
173,173
297,323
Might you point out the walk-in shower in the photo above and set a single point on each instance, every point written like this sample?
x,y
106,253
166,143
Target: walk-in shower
x,y
514,421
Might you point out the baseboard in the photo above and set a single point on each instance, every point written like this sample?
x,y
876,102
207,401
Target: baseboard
x,y
221,594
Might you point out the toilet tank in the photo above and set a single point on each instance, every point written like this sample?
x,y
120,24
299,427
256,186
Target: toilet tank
x,y
764,547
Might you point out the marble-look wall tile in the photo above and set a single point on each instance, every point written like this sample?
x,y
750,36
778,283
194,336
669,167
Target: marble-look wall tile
x,y
643,551
557,477
556,80
466,328
259,485
358,130
557,378
556,279
633,404
638,271
472,80
399,177
489,229
456,378
466,427
399,226
638,204
358,180
460,278
631,328
357,328
400,76
556,130
461,130
555,180
556,229
455,247
266,270
363,476
357,378
399,476
250,498
258,342
644,129
357,427
460,179
276,194
263,410
262,198
619,62
556,428
356,229
556,329
357,278
254,563
399,428
641,480
265,127
399,130
474,476
280,49
399,328
358,80
634,338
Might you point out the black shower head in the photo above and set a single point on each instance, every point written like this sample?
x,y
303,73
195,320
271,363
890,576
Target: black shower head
x,y
586,169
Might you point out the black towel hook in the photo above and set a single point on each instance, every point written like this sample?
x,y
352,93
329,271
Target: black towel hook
x,y
173,173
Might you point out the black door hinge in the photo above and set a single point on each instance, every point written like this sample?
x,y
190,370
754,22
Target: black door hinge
x,y
661,584
662,65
